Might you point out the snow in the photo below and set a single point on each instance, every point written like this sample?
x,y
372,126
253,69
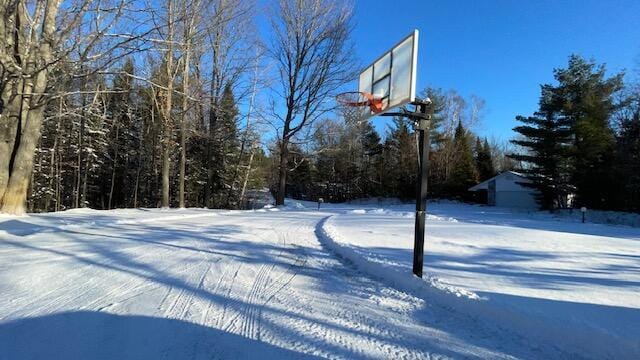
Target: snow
x,y
295,282
526,272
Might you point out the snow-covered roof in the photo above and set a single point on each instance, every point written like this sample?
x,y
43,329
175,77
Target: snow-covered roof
x,y
485,184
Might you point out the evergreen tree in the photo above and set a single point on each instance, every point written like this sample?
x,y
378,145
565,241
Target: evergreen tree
x,y
484,160
121,140
584,96
628,159
401,161
225,149
463,173
438,102
301,179
446,111
372,158
546,138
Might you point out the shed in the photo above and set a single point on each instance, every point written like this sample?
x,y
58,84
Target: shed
x,y
506,190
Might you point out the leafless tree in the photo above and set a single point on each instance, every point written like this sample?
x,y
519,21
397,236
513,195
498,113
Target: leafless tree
x,y
230,48
36,38
191,20
313,58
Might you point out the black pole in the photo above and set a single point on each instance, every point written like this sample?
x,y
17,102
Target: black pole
x,y
422,121
422,127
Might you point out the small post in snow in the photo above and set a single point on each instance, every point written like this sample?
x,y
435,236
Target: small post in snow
x,y
320,201
584,212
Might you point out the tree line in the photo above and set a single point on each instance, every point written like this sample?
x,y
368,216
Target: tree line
x,y
346,159
126,103
581,148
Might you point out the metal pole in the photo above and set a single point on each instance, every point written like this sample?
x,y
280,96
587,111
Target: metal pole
x,y
422,121
422,127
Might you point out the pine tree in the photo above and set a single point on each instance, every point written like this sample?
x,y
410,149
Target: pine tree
x,y
114,178
584,96
628,160
372,154
301,179
225,149
438,101
547,140
401,161
484,160
464,173
442,152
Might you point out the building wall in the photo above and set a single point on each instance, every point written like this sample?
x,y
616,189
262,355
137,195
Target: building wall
x,y
516,199
506,190
510,182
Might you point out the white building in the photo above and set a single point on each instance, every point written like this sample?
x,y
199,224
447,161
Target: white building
x,y
505,190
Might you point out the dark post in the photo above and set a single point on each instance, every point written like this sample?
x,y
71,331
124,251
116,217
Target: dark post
x,y
422,121
422,127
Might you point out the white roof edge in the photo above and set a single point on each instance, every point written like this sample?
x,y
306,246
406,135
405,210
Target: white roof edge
x,y
484,184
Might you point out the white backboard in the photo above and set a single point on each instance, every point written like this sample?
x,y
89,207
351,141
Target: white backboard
x,y
392,77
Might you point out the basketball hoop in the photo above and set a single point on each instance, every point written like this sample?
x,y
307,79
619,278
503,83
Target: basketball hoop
x,y
360,99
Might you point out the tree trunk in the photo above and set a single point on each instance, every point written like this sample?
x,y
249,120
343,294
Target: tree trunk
x,y
85,181
246,175
15,196
165,175
80,147
183,166
208,193
16,168
8,129
245,138
139,166
53,166
282,176
115,164
167,133
183,124
58,179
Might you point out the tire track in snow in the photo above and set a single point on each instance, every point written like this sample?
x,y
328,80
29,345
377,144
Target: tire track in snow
x,y
78,284
265,287
222,314
182,300
127,291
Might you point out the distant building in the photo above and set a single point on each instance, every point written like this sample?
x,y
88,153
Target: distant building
x,y
506,190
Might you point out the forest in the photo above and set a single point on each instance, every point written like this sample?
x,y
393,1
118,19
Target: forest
x,y
188,103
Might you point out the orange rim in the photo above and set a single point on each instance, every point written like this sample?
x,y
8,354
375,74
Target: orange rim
x,y
358,98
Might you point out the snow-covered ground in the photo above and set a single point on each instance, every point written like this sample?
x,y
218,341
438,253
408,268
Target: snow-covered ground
x,y
296,282
566,284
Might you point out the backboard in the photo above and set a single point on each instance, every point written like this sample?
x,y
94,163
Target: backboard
x,y
392,77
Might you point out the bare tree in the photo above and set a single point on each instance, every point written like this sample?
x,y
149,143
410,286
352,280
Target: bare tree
x,y
29,37
230,42
39,47
313,58
191,19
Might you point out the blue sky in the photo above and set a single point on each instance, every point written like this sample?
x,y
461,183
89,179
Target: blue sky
x,y
500,50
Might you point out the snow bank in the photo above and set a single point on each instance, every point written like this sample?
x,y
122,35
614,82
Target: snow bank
x,y
599,217
163,218
377,267
404,214
586,338
378,201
